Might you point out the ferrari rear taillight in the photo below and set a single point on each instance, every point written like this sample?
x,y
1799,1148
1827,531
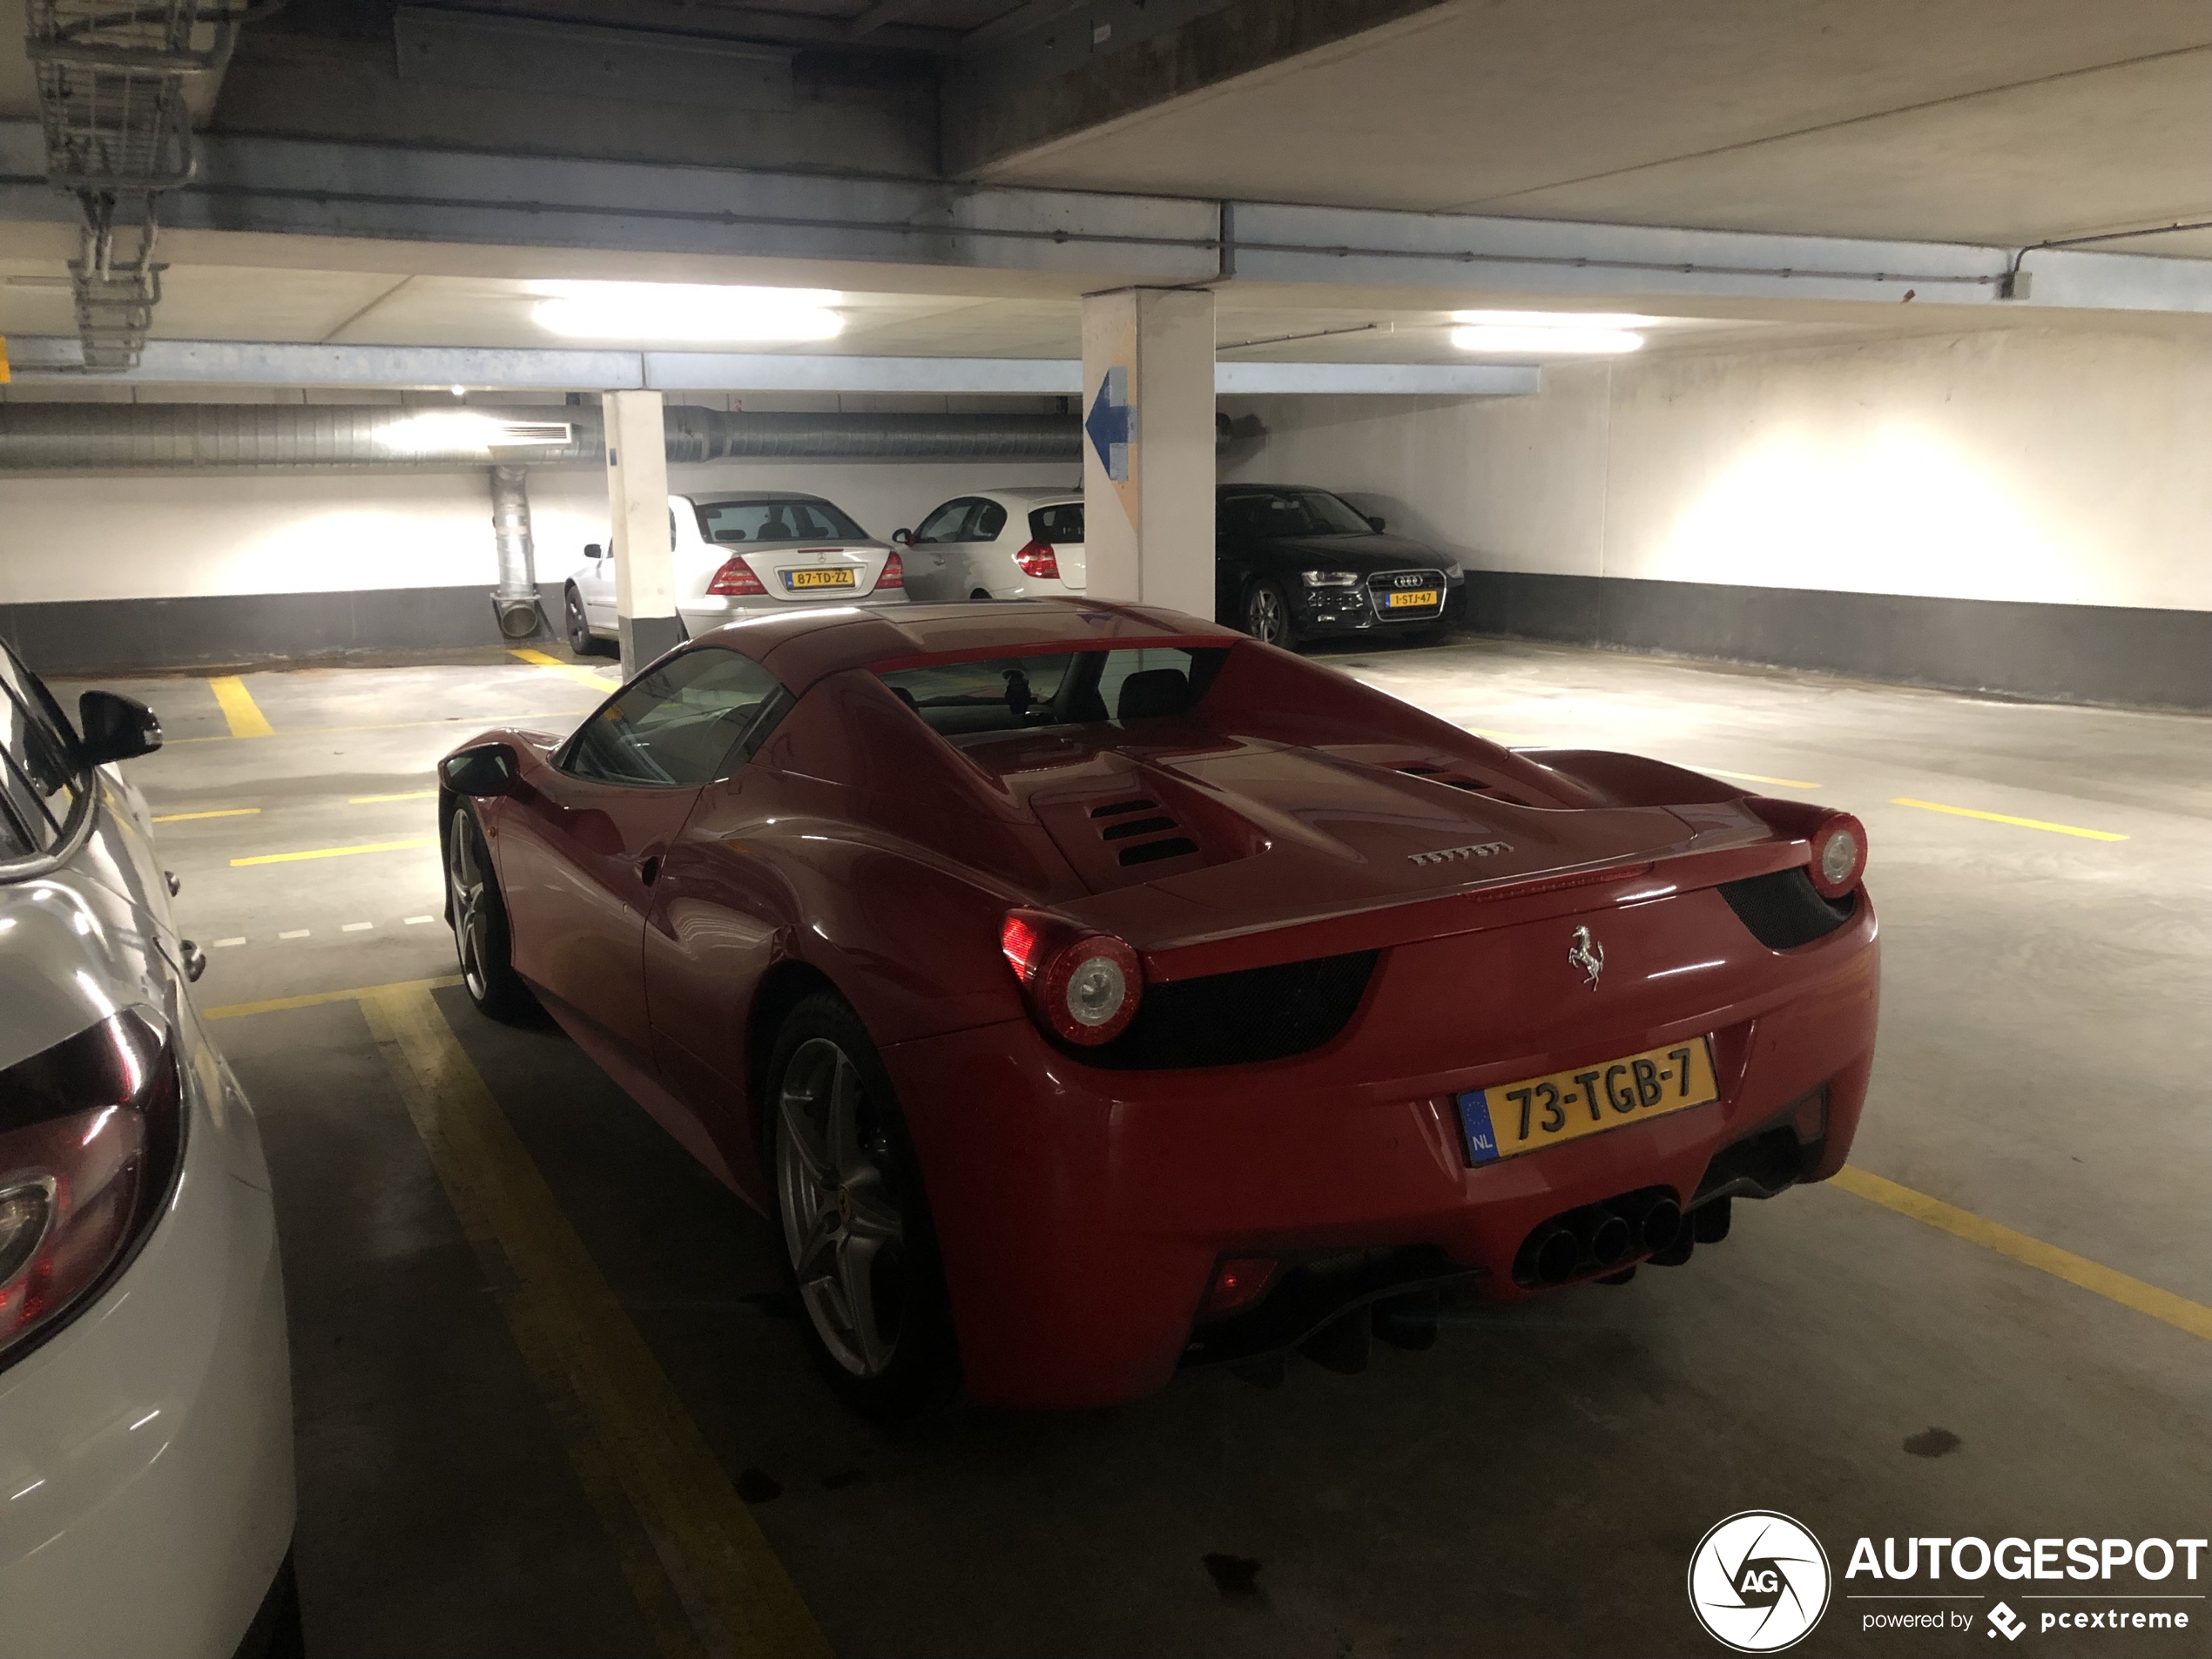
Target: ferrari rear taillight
x,y
1839,854
90,1132
1083,986
1037,558
894,574
1838,840
735,580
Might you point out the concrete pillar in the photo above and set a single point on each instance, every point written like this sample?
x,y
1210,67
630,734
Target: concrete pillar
x,y
1148,447
637,502
516,601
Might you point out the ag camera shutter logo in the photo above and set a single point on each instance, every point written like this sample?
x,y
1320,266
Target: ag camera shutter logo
x,y
1759,1581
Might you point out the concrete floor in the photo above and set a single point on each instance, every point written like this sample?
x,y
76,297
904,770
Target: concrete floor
x,y
1533,1485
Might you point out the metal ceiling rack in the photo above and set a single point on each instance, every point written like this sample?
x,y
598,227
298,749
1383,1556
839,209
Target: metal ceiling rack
x,y
112,81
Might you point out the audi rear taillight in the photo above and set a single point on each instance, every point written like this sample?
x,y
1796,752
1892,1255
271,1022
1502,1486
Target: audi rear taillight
x,y
894,574
1083,986
735,580
1038,558
90,1132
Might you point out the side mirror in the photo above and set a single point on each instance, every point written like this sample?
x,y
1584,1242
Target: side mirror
x,y
1375,523
594,550
116,728
489,769
904,538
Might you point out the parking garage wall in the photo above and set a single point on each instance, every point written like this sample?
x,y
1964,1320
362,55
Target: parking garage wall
x,y
2019,511
145,571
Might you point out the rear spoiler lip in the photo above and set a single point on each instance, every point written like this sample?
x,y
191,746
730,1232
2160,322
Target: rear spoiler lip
x,y
1477,908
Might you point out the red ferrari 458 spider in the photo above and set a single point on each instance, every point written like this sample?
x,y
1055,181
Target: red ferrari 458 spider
x,y
1087,991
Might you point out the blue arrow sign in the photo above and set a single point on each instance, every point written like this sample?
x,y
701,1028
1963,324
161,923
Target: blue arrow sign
x,y
1112,424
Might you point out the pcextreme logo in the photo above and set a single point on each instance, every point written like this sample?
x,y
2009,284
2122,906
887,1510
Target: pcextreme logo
x,y
1759,1581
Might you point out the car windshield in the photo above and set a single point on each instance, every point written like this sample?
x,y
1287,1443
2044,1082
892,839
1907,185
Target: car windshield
x,y
1002,694
797,520
1294,512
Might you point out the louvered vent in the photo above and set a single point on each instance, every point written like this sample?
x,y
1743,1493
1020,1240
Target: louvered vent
x,y
1149,832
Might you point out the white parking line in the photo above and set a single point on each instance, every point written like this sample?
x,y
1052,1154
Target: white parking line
x,y
418,921
356,927
221,943
297,933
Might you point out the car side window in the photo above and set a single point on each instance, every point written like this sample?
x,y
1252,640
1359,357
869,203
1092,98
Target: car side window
x,y
688,722
989,519
946,524
38,776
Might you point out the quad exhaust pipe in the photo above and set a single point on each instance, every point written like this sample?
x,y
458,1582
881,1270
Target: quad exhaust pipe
x,y
1602,1238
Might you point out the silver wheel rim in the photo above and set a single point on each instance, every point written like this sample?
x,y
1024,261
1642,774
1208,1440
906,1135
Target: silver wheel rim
x,y
1265,612
841,1227
471,919
579,629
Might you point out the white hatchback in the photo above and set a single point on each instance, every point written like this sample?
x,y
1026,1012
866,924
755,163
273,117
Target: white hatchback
x,y
998,544
742,553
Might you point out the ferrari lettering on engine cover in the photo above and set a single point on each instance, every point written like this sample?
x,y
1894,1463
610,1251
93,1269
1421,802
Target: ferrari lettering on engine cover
x,y
1472,850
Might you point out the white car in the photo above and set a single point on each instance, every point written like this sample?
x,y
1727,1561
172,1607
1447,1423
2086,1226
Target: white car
x,y
998,544
742,553
145,1393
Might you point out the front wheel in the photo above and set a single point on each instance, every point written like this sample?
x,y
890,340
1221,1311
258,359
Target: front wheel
x,y
580,639
478,915
857,1234
1267,615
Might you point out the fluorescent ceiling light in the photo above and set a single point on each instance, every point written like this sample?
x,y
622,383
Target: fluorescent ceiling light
x,y
687,312
1555,318
1546,342
467,432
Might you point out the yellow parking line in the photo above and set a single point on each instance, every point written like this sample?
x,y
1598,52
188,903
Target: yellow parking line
x,y
239,708
227,812
1757,778
574,670
336,851
315,999
2176,1310
691,1551
408,725
2003,818
412,794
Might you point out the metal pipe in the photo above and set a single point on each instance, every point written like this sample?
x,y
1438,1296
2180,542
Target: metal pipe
x,y
185,437
515,602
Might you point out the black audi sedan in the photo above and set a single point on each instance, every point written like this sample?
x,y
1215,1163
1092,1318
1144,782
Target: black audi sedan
x,y
1293,563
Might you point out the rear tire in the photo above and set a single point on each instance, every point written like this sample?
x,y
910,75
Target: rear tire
x,y
981,594
1267,615
478,917
858,1241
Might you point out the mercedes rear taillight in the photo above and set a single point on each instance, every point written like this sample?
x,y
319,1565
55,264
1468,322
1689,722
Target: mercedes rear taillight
x,y
1039,559
1083,986
894,574
735,580
91,1133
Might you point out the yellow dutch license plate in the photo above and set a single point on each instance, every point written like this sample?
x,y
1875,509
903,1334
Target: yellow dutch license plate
x,y
1528,1117
840,579
1420,599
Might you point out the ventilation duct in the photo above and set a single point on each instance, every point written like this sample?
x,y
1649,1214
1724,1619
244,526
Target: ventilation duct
x,y
182,437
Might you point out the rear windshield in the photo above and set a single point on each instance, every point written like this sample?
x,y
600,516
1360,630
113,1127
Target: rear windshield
x,y
776,521
1062,522
38,780
1068,688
